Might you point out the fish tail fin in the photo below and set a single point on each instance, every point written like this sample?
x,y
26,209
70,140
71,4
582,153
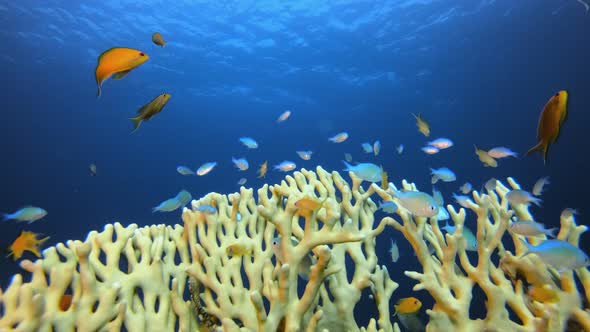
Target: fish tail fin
x,y
541,147
136,123
528,248
537,201
348,166
6,217
552,232
435,179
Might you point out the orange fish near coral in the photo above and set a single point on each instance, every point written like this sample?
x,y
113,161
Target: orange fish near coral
x,y
117,62
408,305
263,169
26,241
384,181
307,205
65,302
550,122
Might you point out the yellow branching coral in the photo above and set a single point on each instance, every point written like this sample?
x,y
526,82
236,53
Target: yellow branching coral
x,y
138,278
220,271
449,275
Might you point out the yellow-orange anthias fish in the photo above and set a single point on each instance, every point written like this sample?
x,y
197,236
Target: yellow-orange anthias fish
x,y
550,122
408,305
149,110
26,241
422,125
384,181
117,62
263,169
158,39
307,205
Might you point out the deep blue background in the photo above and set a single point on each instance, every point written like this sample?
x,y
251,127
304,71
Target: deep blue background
x,y
479,71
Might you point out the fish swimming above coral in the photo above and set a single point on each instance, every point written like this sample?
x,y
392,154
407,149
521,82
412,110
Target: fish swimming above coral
x,y
29,214
552,117
26,241
366,171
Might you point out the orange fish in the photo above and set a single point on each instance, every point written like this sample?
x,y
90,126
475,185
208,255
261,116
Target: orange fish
x,y
384,180
550,122
263,169
65,302
117,62
26,241
408,305
307,205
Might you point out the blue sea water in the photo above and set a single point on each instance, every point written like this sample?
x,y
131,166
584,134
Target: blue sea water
x,y
479,71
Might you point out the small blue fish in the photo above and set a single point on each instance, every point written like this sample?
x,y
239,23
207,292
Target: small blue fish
x,y
339,138
561,255
240,163
367,147
443,174
206,168
183,170
249,142
441,143
29,214
305,155
430,149
168,205
376,147
532,228
468,235
183,197
365,171
518,196
419,204
502,152
388,207
285,166
207,209
462,200
443,214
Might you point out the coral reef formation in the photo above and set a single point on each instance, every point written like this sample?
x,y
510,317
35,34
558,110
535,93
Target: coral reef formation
x,y
220,271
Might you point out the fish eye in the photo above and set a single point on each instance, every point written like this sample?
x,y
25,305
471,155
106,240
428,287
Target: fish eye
x,y
141,54
415,302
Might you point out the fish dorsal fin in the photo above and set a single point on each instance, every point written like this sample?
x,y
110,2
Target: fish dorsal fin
x,y
121,74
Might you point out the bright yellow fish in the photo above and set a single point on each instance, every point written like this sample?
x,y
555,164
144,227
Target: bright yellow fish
x,y
543,294
149,110
307,205
422,125
485,158
26,241
236,250
408,305
550,122
117,62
